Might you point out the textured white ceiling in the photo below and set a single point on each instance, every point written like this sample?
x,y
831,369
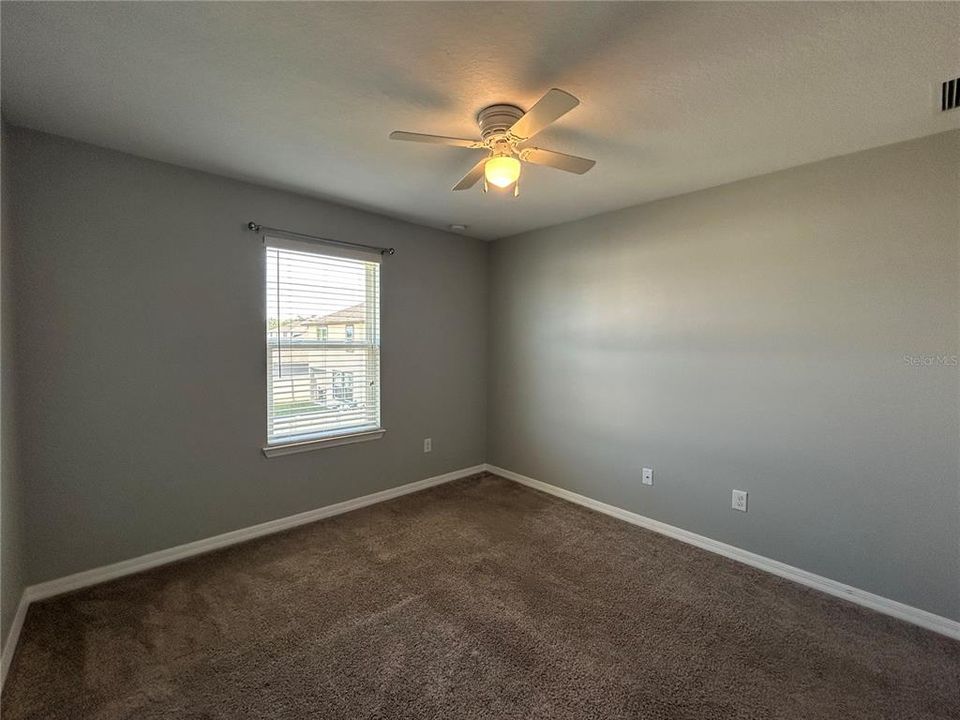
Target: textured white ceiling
x,y
676,96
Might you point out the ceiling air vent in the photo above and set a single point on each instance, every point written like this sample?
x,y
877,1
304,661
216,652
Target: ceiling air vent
x,y
950,94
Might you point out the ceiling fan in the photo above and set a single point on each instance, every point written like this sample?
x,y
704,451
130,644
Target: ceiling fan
x,y
505,130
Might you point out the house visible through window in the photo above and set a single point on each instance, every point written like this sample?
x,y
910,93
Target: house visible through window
x,y
319,300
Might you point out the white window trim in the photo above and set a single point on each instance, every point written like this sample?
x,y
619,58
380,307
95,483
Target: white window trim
x,y
317,443
281,449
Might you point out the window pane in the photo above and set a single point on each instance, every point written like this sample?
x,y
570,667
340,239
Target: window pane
x,y
323,345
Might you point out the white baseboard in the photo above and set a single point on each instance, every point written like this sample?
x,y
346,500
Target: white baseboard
x,y
162,557
12,636
936,623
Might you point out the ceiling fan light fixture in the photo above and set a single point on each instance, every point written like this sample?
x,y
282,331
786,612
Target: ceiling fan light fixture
x,y
502,170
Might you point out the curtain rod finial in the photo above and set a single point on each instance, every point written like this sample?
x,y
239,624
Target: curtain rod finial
x,y
253,226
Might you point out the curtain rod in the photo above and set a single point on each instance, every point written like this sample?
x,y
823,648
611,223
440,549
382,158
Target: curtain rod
x,y
265,228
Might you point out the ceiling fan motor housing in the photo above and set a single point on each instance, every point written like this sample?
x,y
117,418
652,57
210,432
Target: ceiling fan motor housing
x,y
497,119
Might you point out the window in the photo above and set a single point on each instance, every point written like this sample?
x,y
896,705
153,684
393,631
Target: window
x,y
343,386
320,299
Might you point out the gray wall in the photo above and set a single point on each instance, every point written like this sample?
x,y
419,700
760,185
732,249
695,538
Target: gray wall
x,y
756,336
11,492
141,360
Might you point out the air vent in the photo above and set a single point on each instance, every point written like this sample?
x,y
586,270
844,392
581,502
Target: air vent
x,y
950,94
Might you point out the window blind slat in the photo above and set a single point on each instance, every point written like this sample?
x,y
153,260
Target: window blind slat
x,y
322,342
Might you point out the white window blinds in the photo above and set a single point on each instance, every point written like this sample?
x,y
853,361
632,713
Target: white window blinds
x,y
323,341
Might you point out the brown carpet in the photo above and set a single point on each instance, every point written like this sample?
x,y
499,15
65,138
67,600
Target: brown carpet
x,y
476,599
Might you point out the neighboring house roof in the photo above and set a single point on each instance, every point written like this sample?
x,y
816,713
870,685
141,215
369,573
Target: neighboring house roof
x,y
354,314
346,316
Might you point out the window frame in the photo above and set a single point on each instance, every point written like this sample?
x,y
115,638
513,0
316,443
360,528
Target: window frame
x,y
371,344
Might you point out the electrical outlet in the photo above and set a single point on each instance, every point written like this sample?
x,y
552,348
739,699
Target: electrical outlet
x,y
647,477
740,500
427,445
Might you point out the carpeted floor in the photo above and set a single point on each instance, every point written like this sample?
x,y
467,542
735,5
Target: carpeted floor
x,y
476,599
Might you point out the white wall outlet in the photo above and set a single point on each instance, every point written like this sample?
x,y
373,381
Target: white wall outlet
x,y
647,476
740,500
427,444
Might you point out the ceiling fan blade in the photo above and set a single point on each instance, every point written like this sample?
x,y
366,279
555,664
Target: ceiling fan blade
x,y
435,139
471,178
551,106
570,163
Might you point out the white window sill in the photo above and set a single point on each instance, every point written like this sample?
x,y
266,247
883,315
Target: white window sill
x,y
308,445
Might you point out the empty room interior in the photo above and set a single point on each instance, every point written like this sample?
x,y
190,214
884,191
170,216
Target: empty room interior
x,y
480,360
